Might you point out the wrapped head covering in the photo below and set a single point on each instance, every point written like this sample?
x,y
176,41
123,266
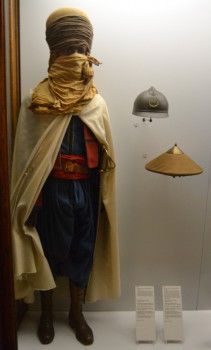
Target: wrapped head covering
x,y
69,86
68,28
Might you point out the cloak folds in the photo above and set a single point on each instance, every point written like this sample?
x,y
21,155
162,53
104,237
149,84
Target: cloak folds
x,y
37,143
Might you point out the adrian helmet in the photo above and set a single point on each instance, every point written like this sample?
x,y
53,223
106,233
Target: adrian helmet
x,y
151,103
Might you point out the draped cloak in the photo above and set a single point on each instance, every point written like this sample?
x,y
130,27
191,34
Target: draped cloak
x,y
37,143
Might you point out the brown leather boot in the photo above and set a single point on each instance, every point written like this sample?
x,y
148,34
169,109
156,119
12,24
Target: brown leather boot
x,y
45,329
77,321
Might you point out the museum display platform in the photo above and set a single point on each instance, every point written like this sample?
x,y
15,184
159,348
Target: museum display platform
x,y
116,330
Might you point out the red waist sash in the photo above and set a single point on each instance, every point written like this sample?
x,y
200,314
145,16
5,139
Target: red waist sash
x,y
70,167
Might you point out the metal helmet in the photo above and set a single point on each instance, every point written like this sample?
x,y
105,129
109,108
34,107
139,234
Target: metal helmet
x,y
151,103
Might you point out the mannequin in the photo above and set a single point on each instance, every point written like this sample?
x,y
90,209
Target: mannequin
x,y
63,182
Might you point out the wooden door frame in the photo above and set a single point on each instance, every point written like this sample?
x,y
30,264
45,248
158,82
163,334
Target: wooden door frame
x,y
8,333
14,41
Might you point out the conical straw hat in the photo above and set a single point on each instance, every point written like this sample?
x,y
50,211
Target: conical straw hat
x,y
174,163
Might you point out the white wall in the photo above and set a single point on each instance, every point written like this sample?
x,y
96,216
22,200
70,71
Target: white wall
x,y
164,222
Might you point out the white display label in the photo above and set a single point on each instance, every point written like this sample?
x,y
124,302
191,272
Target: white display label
x,y
172,313
145,314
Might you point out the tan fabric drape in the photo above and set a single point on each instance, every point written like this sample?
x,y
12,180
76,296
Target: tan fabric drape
x,y
38,140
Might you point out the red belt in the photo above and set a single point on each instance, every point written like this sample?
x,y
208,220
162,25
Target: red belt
x,y
70,167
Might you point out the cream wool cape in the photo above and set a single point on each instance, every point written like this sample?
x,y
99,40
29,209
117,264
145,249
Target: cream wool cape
x,y
37,143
